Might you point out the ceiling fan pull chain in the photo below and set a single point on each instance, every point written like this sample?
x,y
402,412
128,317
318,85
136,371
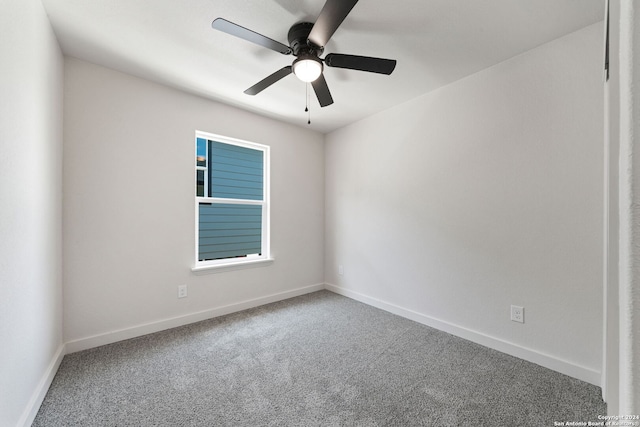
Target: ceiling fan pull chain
x,y
306,109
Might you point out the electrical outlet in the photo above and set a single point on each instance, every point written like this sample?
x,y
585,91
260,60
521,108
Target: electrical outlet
x,y
341,270
517,313
182,291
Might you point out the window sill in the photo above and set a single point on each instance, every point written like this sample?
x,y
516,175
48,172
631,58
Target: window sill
x,y
210,269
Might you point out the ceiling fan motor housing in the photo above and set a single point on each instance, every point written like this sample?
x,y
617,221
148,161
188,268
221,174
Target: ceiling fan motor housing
x,y
299,40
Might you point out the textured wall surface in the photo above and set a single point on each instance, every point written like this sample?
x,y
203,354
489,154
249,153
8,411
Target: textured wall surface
x,y
31,68
482,194
129,212
610,360
629,208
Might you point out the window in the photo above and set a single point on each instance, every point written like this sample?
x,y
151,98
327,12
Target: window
x,y
232,201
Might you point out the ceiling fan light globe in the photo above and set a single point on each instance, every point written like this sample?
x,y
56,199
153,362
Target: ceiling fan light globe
x,y
307,70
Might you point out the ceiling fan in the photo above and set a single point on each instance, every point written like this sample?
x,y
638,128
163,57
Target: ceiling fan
x,y
306,43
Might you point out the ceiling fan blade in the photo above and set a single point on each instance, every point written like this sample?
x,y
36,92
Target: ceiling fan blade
x,y
361,63
246,34
268,81
322,91
330,18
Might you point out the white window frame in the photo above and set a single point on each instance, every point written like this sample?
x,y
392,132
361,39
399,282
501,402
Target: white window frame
x,y
249,260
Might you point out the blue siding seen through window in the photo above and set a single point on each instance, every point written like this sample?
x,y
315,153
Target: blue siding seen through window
x,y
236,172
229,230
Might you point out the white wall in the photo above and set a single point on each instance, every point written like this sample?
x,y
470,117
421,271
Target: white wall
x,y
482,194
611,342
129,208
31,68
629,188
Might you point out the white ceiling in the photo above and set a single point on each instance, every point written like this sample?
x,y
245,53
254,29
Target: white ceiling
x,y
434,41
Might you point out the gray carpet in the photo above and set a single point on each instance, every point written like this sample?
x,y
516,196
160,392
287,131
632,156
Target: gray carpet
x,y
316,360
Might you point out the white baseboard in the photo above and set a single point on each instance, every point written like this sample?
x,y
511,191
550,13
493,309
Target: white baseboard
x,y
554,363
40,392
161,325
